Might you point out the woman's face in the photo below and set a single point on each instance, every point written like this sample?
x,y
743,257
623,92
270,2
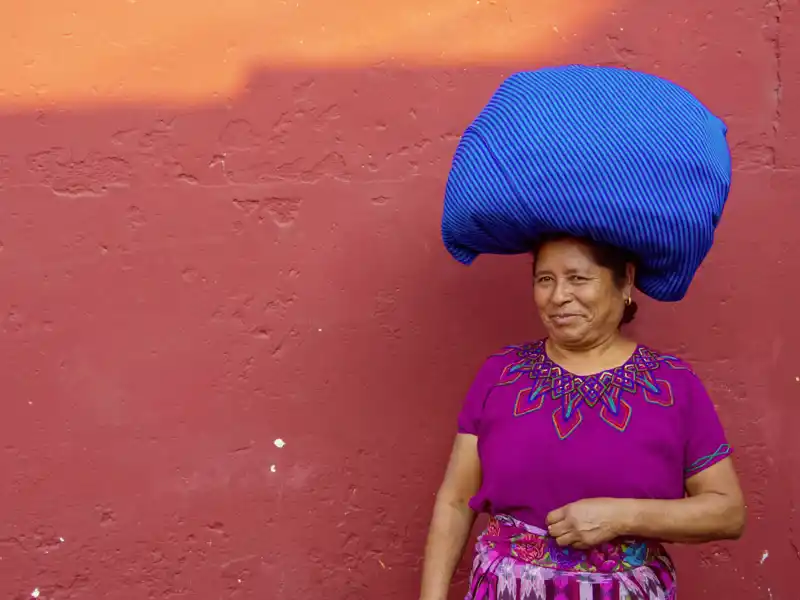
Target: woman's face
x,y
578,300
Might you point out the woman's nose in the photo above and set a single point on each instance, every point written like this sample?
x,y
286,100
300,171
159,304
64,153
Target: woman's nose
x,y
561,293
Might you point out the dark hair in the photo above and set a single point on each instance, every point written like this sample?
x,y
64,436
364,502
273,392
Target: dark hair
x,y
612,258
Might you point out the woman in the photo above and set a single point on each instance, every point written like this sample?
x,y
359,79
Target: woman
x,y
586,448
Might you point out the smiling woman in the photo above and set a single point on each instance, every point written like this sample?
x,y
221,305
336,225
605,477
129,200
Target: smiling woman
x,y
587,449
563,526
591,276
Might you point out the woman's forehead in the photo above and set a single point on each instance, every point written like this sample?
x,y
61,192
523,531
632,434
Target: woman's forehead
x,y
564,254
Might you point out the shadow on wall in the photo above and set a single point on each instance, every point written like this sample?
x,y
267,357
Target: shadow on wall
x,y
185,286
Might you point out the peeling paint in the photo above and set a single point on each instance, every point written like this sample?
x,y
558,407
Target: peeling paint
x,y
279,443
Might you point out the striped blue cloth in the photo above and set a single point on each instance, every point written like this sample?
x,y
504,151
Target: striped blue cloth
x,y
615,155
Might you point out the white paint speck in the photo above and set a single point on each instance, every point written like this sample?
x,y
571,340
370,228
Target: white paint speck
x,y
797,378
320,330
764,556
273,468
35,593
62,540
279,443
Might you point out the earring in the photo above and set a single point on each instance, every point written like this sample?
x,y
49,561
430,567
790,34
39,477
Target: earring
x,y
628,301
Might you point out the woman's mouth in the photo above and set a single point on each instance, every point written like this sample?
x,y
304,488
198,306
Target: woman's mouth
x,y
564,318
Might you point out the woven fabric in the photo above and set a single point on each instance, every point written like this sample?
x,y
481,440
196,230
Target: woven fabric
x,y
615,155
516,561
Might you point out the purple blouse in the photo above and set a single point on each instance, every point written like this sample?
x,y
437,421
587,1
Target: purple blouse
x,y
547,437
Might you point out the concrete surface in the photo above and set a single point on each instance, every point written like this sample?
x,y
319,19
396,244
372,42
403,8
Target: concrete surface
x,y
232,345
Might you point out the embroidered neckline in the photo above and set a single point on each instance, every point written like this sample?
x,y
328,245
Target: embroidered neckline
x,y
606,388
630,359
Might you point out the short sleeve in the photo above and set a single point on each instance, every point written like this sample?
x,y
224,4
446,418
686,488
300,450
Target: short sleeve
x,y
469,419
706,443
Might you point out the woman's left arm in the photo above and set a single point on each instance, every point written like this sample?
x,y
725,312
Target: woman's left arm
x,y
714,509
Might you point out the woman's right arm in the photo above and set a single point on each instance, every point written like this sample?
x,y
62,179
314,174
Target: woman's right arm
x,y
452,518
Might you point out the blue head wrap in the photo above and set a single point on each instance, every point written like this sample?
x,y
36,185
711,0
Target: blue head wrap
x,y
613,155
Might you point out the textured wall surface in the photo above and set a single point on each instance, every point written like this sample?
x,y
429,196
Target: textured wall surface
x,y
232,345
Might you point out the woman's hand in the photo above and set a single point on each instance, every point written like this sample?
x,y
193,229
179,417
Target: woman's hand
x,y
713,510
587,523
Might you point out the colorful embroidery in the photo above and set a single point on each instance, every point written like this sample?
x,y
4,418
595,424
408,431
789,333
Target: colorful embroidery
x,y
706,461
510,553
571,391
542,550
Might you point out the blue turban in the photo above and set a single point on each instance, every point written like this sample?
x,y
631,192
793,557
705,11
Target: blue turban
x,y
609,154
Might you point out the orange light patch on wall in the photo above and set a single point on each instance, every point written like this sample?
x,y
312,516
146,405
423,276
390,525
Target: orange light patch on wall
x,y
90,51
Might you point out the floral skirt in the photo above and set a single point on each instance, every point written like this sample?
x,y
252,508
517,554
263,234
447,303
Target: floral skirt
x,y
516,561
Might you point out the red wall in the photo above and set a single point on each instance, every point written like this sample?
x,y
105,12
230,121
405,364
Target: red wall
x,y
197,260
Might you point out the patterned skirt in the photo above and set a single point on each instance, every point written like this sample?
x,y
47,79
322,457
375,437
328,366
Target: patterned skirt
x,y
515,561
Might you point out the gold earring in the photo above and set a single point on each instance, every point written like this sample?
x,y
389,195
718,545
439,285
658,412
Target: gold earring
x,y
628,301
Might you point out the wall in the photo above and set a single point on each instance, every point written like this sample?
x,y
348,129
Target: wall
x,y
219,229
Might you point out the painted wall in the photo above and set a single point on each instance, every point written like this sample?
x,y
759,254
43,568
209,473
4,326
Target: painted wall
x,y
219,229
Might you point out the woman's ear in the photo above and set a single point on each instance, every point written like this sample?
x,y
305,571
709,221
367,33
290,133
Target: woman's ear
x,y
630,278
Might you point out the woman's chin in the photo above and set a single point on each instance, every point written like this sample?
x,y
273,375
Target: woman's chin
x,y
567,333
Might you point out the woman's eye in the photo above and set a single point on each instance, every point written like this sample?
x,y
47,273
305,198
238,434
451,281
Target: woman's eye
x,y
578,278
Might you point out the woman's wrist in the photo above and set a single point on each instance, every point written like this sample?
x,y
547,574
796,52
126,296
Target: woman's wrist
x,y
628,517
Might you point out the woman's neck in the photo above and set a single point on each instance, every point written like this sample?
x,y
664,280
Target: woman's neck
x,y
593,355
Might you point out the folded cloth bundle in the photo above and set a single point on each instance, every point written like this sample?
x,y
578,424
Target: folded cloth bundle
x,y
610,154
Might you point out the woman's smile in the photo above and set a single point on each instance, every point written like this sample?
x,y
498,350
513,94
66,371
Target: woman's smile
x,y
565,318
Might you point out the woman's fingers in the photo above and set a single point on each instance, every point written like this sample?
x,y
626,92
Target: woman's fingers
x,y
558,529
556,515
568,539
